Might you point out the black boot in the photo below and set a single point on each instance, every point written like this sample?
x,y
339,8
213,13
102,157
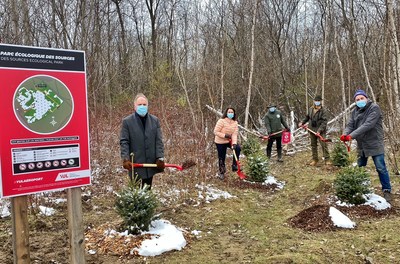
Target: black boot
x,y
269,151
234,167
280,155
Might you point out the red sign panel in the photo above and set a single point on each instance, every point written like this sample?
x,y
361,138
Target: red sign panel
x,y
44,132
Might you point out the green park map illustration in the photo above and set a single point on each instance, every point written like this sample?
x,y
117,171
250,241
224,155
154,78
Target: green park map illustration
x,y
43,104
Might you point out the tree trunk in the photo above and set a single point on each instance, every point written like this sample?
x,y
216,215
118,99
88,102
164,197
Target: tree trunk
x,y
253,25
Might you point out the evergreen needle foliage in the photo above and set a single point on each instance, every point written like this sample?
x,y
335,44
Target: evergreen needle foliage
x,y
251,145
257,167
137,207
351,184
340,156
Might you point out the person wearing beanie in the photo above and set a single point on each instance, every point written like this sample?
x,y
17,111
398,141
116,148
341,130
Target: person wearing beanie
x,y
317,122
274,121
365,126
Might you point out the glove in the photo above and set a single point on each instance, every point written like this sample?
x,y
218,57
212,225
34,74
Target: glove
x,y
234,146
160,165
345,138
127,165
228,136
286,130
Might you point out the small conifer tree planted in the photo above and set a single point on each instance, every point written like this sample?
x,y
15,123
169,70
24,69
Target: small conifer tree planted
x,y
137,207
257,167
251,145
351,184
340,156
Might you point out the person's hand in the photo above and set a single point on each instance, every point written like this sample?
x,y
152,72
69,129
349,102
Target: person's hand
x,y
127,165
234,146
300,124
228,136
318,134
160,165
286,130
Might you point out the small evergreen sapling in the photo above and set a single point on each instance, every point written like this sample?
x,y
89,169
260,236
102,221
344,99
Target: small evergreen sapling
x,y
251,145
257,167
137,207
340,156
351,183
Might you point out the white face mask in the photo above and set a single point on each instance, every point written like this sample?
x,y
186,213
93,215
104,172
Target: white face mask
x,y
317,103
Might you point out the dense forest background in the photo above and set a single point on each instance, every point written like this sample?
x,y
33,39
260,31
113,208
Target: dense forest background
x,y
243,53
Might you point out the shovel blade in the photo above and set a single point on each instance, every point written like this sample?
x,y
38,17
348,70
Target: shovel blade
x,y
241,175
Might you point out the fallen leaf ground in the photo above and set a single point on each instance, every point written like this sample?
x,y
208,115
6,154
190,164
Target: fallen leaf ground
x,y
261,225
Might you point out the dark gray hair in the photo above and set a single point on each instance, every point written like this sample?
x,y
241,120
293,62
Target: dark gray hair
x,y
138,96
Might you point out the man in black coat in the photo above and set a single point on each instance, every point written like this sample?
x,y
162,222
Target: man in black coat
x,y
141,135
365,126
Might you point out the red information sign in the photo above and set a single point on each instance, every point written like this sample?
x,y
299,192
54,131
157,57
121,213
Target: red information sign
x,y
44,132
286,137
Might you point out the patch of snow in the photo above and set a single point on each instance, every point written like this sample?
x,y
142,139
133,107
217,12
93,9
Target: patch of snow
x,y
47,211
166,237
376,201
271,180
4,211
60,200
339,219
196,233
371,199
212,193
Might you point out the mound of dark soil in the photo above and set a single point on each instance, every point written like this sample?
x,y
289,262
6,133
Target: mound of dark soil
x,y
253,185
316,218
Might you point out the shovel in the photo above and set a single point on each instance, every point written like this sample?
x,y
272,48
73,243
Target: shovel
x,y
273,134
318,135
239,172
185,165
347,145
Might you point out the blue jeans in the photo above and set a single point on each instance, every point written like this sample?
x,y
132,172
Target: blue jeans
x,y
380,167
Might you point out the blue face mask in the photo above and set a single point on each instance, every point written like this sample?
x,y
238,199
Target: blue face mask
x,y
141,110
272,109
361,103
230,115
317,103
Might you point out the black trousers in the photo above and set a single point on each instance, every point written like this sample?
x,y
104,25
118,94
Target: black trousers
x,y
278,140
221,149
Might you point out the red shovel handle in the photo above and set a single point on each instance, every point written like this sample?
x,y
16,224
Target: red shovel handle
x,y
347,145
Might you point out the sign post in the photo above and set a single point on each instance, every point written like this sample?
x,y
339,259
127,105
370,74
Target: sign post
x,y
44,140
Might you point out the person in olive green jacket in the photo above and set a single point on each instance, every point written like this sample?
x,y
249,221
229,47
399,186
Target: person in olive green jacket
x,y
274,121
317,121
